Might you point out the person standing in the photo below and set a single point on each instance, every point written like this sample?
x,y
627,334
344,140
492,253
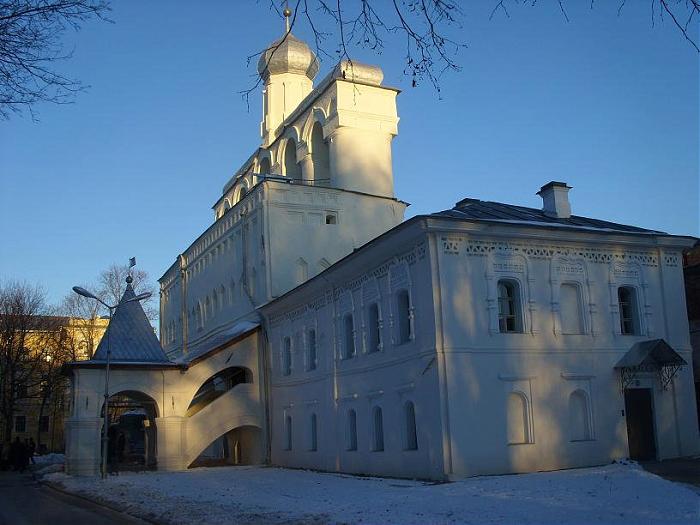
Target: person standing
x,y
31,448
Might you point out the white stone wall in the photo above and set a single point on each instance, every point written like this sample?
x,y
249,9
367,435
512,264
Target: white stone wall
x,y
389,378
483,366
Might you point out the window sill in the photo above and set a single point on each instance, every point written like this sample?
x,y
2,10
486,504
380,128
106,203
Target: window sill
x,y
581,440
521,444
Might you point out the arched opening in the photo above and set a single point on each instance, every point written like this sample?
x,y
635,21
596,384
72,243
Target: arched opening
x,y
264,166
131,437
239,446
411,434
216,386
320,155
579,416
517,419
292,170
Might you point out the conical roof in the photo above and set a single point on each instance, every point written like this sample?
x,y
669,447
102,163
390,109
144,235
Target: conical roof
x,y
130,337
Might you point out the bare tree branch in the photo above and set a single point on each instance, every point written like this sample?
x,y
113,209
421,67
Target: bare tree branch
x,y
30,43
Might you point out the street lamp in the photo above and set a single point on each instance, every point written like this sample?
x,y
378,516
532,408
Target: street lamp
x,y
105,424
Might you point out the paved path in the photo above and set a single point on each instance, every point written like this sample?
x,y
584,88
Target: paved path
x,y
24,501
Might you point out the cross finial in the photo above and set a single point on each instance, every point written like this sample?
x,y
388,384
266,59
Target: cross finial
x,y
287,13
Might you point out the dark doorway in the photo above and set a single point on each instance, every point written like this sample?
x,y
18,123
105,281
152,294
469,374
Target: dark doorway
x,y
132,433
640,424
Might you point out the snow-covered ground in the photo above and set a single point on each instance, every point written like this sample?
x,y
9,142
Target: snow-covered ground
x,y
610,494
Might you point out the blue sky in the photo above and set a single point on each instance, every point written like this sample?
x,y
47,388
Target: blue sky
x,y
608,104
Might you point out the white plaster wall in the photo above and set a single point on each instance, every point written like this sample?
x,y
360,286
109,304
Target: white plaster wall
x,y
483,365
387,378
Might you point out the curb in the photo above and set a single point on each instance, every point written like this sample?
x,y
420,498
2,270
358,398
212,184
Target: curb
x,y
100,502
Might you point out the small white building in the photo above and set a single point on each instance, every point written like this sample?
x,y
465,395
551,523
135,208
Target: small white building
x,y
310,326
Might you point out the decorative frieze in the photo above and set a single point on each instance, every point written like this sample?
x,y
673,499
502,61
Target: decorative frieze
x,y
456,245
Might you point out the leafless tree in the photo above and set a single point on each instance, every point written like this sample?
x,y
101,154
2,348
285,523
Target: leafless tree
x,y
430,29
112,284
31,43
27,336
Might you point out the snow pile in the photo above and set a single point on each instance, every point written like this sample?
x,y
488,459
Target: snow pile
x,y
50,459
610,494
49,469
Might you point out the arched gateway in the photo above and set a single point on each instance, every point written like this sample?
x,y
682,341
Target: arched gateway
x,y
163,414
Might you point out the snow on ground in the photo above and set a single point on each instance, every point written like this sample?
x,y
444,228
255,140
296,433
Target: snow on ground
x,y
610,494
50,459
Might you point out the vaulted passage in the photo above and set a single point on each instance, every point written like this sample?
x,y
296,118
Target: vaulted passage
x,y
132,434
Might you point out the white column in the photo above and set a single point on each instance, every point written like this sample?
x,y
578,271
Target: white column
x,y
83,446
171,442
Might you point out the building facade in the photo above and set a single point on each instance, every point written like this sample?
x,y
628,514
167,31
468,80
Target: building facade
x,y
42,393
311,326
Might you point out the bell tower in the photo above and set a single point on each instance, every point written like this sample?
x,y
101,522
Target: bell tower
x,y
287,68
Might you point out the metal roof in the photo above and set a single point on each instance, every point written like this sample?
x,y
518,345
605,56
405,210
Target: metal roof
x,y
130,336
655,352
478,210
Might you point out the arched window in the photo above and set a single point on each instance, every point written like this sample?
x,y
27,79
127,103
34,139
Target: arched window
x,y
351,431
287,356
517,419
403,312
320,155
199,317
579,416
207,309
311,350
349,333
222,295
411,434
374,330
570,309
377,430
627,299
264,167
292,170
214,302
313,434
242,193
288,432
509,320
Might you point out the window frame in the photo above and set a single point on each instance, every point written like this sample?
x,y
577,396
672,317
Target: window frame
x,y
633,308
515,301
286,362
374,327
404,337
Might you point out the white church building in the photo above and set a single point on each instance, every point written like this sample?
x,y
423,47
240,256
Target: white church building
x,y
311,326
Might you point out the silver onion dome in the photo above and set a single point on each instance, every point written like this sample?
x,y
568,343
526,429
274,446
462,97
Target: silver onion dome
x,y
288,55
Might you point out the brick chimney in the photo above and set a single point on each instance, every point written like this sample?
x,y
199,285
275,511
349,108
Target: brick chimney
x,y
555,199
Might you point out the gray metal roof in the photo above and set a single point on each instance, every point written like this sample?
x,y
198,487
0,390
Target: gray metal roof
x,y
655,352
130,336
475,209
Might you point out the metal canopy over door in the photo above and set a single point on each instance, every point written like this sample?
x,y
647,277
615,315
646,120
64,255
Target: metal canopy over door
x,y
640,423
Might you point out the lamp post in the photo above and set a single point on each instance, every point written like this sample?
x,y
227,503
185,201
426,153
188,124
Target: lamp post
x,y
105,424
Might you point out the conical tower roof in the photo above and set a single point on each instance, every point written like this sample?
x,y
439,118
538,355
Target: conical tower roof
x,y
130,336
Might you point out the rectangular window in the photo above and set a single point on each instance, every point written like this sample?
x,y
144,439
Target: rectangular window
x,y
20,424
311,350
403,311
287,356
349,333
44,424
627,299
373,328
508,307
